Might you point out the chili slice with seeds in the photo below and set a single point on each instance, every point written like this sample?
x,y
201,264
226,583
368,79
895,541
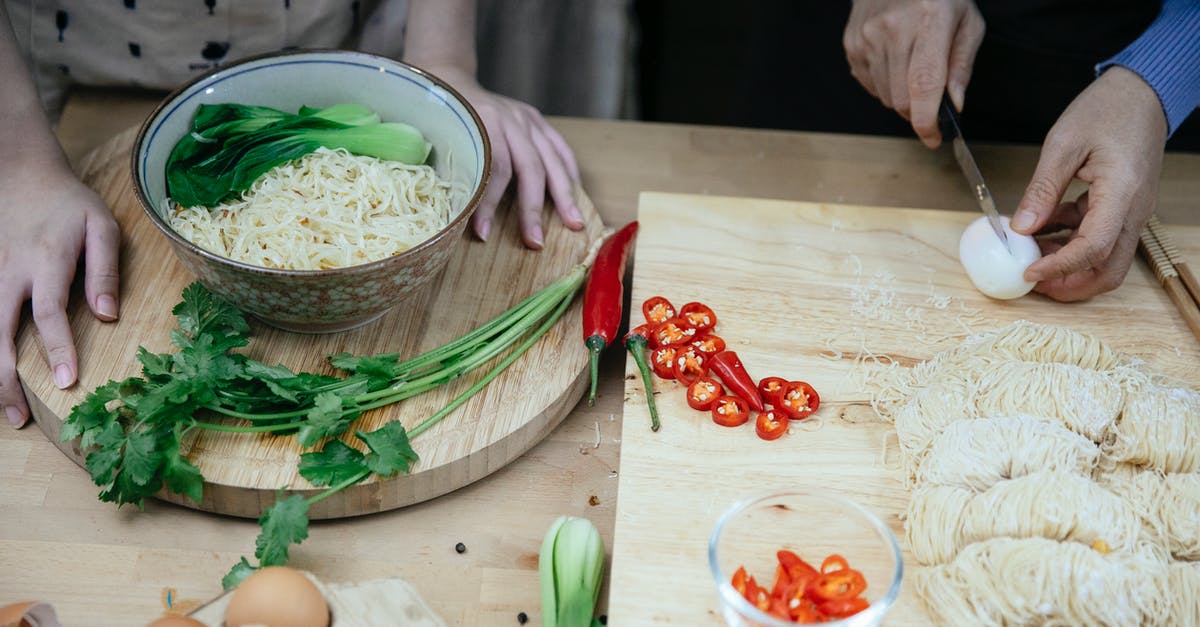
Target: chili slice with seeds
x,y
730,411
799,400
771,388
689,364
700,315
771,424
703,393
709,344
673,332
656,309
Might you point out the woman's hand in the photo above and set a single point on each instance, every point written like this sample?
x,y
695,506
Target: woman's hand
x,y
525,148
49,219
1112,136
907,53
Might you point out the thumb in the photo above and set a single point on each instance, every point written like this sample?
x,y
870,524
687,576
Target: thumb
x,y
1056,167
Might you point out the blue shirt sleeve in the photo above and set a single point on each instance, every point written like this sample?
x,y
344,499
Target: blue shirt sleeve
x,y
1167,56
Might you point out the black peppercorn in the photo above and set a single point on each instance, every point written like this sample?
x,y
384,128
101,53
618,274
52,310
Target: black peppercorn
x,y
522,618
460,548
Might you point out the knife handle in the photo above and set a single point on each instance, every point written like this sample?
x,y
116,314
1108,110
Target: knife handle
x,y
948,122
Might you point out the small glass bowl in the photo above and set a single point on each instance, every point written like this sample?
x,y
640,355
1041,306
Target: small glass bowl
x,y
814,525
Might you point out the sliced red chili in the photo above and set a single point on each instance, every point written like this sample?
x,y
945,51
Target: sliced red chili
x,y
703,393
838,585
689,364
708,343
832,563
739,580
662,361
757,595
843,608
771,388
782,581
799,400
672,332
771,424
797,568
656,309
700,315
730,411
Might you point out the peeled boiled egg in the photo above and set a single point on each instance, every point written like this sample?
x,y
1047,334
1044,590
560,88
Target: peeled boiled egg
x,y
996,270
277,596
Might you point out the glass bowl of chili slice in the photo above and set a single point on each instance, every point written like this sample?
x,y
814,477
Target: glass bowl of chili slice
x,y
801,557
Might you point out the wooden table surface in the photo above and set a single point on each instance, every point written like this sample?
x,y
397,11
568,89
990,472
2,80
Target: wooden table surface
x,y
100,566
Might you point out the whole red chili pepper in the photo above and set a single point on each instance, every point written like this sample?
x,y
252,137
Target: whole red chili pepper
x,y
603,296
635,342
727,366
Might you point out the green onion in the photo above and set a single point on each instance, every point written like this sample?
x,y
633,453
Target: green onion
x,y
571,569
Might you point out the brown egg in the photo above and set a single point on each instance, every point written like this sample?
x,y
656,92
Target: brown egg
x,y
277,596
14,615
175,620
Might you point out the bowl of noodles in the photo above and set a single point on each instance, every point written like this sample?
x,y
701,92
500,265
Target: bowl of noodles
x,y
315,190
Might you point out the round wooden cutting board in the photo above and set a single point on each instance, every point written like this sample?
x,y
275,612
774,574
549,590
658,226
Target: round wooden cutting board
x,y
244,472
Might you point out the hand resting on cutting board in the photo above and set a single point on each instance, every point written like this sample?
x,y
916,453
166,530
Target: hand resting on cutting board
x,y
1111,136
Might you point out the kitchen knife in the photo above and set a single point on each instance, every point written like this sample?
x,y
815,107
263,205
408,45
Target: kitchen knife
x,y
952,130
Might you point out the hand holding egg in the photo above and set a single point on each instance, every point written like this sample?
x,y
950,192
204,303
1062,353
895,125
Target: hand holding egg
x,y
997,270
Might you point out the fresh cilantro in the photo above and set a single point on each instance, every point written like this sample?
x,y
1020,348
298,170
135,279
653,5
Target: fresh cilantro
x,y
237,574
333,464
325,419
390,450
131,431
283,524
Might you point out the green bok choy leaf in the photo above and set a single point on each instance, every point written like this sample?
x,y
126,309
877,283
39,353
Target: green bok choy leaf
x,y
231,145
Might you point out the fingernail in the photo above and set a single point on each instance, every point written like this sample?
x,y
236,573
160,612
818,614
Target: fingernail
x,y
536,236
106,306
1023,220
576,215
485,229
63,377
15,418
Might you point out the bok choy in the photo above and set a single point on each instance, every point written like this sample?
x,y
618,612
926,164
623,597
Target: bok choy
x,y
231,145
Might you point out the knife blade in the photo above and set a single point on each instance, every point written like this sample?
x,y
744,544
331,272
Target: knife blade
x,y
952,130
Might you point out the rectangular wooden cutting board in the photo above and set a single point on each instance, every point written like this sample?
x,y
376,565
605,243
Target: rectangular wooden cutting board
x,y
810,291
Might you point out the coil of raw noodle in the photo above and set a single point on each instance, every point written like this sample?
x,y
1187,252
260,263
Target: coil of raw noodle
x,y
1159,428
1084,401
942,520
978,454
1018,341
1035,581
1169,506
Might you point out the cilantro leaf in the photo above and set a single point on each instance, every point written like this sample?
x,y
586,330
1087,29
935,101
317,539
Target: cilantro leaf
x,y
237,574
202,313
333,464
390,450
181,476
379,370
104,462
323,420
283,524
92,413
154,365
142,459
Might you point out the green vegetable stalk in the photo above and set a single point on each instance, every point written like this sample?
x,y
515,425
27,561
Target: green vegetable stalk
x,y
571,568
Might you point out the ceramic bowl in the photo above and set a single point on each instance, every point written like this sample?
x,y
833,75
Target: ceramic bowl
x,y
320,301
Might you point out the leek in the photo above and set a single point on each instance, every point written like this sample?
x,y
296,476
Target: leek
x,y
231,145
571,568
